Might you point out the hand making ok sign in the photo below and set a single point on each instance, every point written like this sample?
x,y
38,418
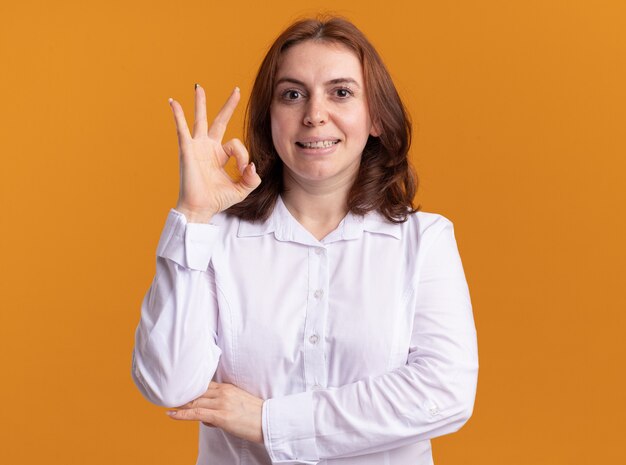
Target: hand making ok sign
x,y
205,187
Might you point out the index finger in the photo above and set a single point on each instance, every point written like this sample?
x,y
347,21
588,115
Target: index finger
x,y
218,127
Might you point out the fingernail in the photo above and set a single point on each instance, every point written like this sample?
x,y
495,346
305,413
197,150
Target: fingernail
x,y
195,86
170,99
237,89
171,413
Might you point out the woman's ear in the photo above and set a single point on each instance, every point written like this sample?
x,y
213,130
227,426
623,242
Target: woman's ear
x,y
375,131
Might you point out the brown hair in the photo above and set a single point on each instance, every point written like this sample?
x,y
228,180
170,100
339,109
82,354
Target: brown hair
x,y
385,181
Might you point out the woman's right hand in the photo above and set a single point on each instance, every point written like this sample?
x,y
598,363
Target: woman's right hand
x,y
205,187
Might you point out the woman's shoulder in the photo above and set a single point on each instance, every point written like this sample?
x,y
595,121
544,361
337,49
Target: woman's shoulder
x,y
232,226
423,223
419,229
423,230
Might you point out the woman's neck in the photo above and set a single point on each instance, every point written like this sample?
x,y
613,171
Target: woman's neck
x,y
318,208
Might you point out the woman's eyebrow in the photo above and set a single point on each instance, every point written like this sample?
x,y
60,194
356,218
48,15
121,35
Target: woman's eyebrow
x,y
290,80
343,81
331,82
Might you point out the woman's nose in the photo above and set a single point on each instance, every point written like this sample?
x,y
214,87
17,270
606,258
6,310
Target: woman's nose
x,y
315,113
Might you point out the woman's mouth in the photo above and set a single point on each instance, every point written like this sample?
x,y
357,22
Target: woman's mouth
x,y
320,144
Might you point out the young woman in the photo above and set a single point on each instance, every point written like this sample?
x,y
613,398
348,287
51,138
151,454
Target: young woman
x,y
306,312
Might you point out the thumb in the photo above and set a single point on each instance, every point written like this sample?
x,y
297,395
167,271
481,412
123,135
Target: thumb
x,y
250,180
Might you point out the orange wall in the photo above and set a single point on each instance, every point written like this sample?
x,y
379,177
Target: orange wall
x,y
519,109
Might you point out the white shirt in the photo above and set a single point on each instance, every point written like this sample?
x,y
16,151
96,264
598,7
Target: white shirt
x,y
362,344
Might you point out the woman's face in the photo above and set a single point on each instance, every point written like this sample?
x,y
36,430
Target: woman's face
x,y
319,114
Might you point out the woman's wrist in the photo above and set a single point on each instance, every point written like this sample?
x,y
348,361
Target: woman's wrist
x,y
195,216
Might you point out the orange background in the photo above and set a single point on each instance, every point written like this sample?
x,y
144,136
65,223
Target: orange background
x,y
519,110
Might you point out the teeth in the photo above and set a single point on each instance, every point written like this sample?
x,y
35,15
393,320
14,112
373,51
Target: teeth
x,y
318,145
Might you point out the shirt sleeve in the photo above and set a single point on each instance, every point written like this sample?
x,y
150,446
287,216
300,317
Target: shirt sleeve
x,y
432,395
175,354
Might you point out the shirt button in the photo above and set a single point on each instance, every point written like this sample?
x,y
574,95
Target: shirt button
x,y
319,251
316,387
318,294
434,410
313,339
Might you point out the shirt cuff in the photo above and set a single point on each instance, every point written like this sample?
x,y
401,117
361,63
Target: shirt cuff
x,y
188,244
289,431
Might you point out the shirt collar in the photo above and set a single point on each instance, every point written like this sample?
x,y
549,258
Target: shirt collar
x,y
286,228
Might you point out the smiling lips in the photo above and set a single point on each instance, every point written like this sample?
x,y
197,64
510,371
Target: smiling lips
x,y
318,144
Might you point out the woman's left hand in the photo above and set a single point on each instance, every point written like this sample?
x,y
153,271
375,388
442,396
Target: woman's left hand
x,y
227,407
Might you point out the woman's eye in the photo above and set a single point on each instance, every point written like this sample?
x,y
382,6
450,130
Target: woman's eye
x,y
343,93
292,95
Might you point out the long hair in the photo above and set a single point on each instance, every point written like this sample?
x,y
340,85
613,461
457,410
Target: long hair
x,y
385,181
